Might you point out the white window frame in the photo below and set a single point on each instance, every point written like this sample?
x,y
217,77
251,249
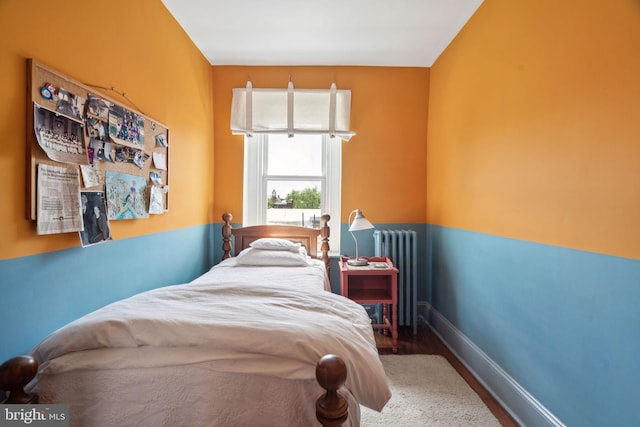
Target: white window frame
x,y
255,190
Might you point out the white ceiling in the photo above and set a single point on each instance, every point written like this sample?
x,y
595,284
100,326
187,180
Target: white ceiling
x,y
406,33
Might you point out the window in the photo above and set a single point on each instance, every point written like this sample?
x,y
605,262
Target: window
x,y
293,181
293,153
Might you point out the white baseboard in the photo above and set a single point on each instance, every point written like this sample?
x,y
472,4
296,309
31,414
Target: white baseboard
x,y
521,405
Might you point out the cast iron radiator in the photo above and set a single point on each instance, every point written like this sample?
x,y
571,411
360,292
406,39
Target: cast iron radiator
x,y
401,247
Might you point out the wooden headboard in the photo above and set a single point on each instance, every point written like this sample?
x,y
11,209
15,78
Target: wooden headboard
x,y
315,241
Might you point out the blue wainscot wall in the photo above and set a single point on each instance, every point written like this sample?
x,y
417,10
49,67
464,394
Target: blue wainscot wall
x,y
40,293
553,332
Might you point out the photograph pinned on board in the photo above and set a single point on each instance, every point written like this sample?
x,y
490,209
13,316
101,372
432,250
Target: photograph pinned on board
x,y
91,154
69,104
97,107
131,155
98,129
155,177
126,127
161,140
104,151
61,138
94,217
139,158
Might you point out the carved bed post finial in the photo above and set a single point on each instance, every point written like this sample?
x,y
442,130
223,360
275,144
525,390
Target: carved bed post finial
x,y
15,374
226,235
324,235
332,409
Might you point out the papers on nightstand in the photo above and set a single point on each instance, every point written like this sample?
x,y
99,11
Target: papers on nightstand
x,y
379,265
370,266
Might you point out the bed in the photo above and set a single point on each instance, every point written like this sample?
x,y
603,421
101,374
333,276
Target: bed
x,y
250,342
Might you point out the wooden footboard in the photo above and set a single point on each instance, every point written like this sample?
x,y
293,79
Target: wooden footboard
x,y
15,374
332,409
331,373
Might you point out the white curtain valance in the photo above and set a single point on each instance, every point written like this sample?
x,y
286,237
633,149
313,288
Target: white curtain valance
x,y
291,111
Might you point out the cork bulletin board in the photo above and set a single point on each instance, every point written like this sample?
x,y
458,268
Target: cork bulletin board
x,y
102,139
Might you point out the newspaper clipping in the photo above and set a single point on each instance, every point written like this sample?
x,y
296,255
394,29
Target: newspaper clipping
x,y
58,200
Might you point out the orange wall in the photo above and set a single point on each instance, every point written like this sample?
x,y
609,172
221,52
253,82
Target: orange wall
x,y
383,166
534,125
136,47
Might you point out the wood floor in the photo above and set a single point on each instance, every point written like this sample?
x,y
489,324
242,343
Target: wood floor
x,y
426,342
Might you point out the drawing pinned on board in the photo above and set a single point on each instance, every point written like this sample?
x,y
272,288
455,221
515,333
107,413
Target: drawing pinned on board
x,y
126,196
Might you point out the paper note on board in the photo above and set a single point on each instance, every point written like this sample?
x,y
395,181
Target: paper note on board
x,y
160,160
90,176
156,203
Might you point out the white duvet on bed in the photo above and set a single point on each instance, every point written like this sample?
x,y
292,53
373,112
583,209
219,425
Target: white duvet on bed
x,y
267,321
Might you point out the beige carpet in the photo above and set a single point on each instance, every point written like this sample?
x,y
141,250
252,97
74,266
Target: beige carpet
x,y
427,391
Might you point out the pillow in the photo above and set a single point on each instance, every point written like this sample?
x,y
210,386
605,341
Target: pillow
x,y
253,256
274,244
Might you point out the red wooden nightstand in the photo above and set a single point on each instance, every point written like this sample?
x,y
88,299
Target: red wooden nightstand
x,y
376,283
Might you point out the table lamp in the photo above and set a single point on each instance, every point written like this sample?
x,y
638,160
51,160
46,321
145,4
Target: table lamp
x,y
358,223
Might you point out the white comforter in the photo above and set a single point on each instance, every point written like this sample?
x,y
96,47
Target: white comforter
x,y
274,321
